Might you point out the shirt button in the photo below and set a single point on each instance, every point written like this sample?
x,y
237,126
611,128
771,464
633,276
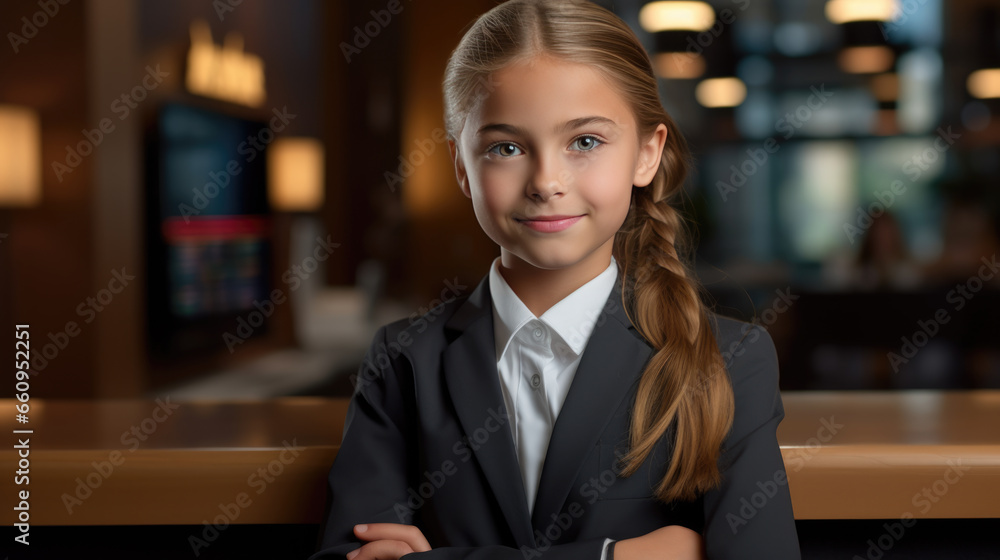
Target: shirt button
x,y
536,380
537,332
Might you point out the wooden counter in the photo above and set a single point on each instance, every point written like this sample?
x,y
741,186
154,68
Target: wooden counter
x,y
848,455
192,464
932,454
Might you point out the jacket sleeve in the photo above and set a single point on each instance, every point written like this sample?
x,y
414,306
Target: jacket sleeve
x,y
749,516
577,550
369,478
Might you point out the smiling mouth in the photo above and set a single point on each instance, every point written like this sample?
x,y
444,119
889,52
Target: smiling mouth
x,y
549,224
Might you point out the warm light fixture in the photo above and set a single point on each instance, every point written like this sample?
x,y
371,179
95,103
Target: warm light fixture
x,y
721,92
676,15
885,87
20,156
984,84
295,174
843,11
224,72
678,65
866,60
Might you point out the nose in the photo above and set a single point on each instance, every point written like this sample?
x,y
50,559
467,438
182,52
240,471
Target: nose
x,y
548,178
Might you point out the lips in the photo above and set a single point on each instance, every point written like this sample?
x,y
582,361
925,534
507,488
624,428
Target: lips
x,y
551,218
550,224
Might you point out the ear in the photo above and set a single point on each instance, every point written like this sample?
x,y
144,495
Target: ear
x,y
650,153
460,173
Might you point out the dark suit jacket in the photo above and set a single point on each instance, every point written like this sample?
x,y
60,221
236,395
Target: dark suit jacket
x,y
427,442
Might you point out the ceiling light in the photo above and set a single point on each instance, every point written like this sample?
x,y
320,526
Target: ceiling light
x,y
721,92
843,11
673,15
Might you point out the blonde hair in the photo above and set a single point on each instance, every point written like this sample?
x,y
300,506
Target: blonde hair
x,y
684,387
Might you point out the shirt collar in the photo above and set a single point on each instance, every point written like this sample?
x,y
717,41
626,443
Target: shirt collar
x,y
572,318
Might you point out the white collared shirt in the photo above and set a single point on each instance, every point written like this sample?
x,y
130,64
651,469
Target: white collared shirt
x,y
543,353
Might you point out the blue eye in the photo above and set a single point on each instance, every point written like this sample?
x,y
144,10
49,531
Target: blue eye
x,y
586,144
593,143
503,145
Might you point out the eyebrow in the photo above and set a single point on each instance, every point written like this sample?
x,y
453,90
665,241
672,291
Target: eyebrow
x,y
568,125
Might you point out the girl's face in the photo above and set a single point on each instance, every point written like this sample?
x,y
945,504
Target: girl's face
x,y
549,160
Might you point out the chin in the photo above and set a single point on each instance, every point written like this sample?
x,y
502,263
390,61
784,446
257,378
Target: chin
x,y
551,260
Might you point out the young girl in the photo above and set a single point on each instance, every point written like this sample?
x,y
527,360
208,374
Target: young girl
x,y
581,402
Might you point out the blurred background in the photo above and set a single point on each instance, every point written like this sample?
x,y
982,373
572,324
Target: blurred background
x,y
226,199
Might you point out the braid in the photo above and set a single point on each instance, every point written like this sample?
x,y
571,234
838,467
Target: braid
x,y
657,237
680,391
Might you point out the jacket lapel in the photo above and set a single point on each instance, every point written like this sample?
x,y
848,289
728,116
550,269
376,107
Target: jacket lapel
x,y
470,371
611,362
